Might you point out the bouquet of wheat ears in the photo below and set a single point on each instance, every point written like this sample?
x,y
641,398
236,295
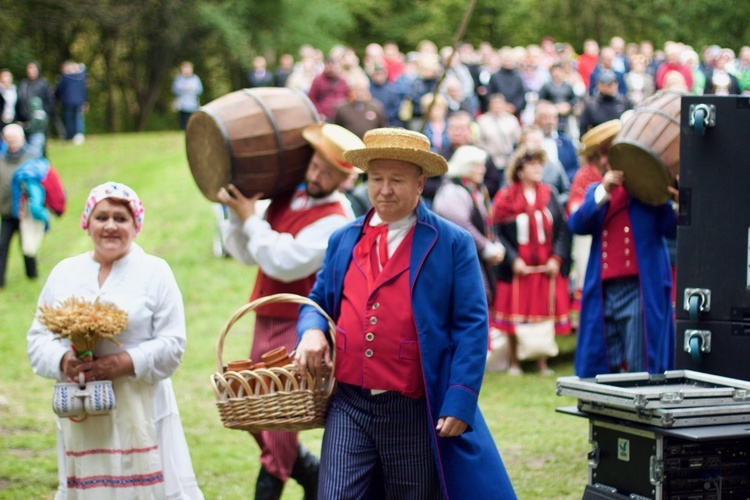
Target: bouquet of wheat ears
x,y
84,323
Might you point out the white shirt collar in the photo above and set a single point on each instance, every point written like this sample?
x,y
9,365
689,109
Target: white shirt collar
x,y
406,222
397,230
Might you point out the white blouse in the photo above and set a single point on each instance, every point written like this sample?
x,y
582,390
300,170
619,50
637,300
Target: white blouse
x,y
284,257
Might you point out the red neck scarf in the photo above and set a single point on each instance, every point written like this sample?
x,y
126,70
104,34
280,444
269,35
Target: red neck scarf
x,y
372,248
510,203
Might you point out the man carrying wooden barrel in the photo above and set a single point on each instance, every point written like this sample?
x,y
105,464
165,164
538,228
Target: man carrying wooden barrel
x,y
627,319
288,243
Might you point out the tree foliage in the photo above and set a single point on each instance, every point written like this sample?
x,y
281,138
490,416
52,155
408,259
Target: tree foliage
x,y
132,49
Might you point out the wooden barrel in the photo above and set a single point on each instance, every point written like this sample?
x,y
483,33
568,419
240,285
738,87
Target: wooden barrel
x,y
251,138
647,148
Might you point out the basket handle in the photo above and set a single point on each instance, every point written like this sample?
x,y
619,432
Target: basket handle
x,y
271,299
218,380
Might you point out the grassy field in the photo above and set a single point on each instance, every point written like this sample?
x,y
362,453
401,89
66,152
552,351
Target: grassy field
x,y
545,452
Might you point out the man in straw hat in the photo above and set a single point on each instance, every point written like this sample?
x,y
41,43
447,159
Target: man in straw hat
x,y
288,243
594,157
626,322
594,154
404,287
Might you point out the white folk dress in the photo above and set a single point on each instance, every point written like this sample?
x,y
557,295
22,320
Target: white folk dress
x,y
143,286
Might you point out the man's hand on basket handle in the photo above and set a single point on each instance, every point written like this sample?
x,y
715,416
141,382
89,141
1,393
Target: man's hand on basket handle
x,y
313,353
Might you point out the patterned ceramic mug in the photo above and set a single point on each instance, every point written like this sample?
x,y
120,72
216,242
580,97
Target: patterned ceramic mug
x,y
67,401
100,397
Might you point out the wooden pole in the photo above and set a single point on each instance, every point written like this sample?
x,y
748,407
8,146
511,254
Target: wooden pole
x,y
456,40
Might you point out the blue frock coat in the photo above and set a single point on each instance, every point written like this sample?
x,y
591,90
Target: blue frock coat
x,y
650,226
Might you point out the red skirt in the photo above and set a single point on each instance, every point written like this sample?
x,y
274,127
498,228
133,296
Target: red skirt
x,y
527,300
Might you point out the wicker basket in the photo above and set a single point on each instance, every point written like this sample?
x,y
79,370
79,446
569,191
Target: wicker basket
x,y
271,399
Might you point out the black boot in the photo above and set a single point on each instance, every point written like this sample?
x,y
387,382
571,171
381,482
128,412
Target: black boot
x,y
30,263
305,472
268,487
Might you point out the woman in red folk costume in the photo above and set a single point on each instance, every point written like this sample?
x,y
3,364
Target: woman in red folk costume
x,y
531,225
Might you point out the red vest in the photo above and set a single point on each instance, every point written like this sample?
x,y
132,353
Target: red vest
x,y
618,247
376,336
284,220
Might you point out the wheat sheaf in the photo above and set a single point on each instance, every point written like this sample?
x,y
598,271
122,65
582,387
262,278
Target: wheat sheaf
x,y
84,323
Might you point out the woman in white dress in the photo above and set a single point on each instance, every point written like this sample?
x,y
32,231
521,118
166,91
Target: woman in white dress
x,y
139,449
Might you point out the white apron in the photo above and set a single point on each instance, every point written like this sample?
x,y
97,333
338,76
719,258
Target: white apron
x,y
115,456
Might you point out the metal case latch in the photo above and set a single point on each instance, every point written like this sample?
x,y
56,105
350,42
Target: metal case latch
x,y
655,470
672,397
593,455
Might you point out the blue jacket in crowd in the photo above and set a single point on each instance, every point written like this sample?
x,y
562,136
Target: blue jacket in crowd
x,y
72,89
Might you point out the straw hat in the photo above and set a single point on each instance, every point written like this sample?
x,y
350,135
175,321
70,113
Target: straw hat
x,y
398,144
332,141
600,136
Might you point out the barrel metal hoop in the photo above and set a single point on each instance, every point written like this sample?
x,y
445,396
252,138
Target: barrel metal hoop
x,y
277,133
225,135
657,112
308,103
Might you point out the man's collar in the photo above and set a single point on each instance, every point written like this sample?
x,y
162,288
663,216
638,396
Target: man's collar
x,y
409,220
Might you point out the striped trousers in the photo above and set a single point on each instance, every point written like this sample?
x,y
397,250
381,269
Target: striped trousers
x,y
377,446
623,325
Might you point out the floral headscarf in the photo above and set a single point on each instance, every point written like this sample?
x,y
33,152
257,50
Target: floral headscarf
x,y
118,191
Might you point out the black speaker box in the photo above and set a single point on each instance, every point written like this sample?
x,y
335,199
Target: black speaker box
x,y
713,236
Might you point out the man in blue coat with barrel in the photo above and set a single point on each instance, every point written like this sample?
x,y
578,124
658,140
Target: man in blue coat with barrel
x,y
627,319
404,288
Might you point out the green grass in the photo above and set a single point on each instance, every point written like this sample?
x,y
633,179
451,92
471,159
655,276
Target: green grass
x,y
544,452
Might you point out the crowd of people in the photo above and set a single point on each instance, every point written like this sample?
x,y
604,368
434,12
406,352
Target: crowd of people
x,y
26,112
587,89
35,103
514,149
418,245
491,105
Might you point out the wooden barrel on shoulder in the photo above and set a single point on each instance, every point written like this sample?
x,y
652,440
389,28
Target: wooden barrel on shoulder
x,y
251,138
647,149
